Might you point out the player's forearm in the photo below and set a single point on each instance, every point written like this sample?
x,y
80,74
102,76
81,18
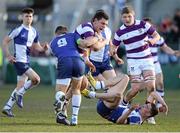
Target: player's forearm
x,y
155,38
38,47
168,50
157,97
85,43
115,56
99,45
5,47
123,118
113,50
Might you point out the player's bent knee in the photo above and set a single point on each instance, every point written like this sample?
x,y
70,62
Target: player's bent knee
x,y
136,80
149,78
36,81
84,83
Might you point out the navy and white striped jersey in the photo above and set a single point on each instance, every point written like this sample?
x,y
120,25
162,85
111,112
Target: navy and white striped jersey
x,y
102,55
24,38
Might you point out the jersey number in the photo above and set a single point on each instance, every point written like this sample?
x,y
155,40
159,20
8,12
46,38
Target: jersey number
x,y
62,42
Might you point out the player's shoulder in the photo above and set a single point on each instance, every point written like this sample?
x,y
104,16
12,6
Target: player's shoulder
x,y
34,30
17,28
87,24
107,29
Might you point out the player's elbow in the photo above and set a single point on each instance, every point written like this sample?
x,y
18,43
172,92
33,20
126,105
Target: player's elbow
x,y
36,80
120,121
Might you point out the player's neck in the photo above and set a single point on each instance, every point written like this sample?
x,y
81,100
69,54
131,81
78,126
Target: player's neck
x,y
27,25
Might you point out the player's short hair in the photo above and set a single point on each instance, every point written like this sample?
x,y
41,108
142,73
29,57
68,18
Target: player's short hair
x,y
147,19
28,10
100,10
127,9
61,30
100,14
154,110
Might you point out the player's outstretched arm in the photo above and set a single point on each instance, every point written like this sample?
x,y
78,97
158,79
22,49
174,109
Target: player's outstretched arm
x,y
88,42
169,50
41,47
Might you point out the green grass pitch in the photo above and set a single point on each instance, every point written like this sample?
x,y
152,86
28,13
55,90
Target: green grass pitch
x,y
38,115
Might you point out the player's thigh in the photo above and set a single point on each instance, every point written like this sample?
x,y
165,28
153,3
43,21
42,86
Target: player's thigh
x,y
84,83
118,89
108,70
108,74
133,67
149,79
100,77
64,68
32,75
157,68
62,87
77,74
78,67
76,85
21,68
64,74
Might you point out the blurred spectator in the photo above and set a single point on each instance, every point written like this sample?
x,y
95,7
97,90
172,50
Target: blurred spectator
x,y
170,32
165,25
112,6
177,20
121,4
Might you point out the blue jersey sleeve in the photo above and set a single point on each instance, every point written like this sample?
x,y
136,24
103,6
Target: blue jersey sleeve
x,y
76,36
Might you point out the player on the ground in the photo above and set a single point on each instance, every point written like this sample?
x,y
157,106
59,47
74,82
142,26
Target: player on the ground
x,y
25,37
108,105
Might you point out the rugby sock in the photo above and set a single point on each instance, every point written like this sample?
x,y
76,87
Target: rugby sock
x,y
60,96
100,85
124,103
76,102
11,101
60,100
26,86
160,92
